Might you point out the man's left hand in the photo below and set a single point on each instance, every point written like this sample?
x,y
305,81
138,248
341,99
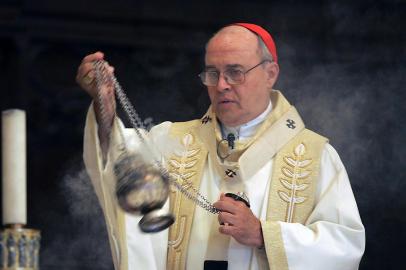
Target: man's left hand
x,y
238,221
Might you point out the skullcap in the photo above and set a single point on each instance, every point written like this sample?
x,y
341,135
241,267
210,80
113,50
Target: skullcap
x,y
265,36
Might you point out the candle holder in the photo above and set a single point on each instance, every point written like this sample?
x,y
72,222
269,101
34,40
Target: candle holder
x,y
19,248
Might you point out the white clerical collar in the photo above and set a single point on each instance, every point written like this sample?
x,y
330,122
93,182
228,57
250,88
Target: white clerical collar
x,y
247,130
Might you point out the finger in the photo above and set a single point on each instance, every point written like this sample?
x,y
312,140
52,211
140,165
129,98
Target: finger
x,y
224,197
239,204
84,69
87,69
219,205
229,199
226,218
110,69
227,230
230,206
224,206
93,57
237,201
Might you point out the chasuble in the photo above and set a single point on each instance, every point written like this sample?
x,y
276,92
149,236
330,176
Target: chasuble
x,y
294,179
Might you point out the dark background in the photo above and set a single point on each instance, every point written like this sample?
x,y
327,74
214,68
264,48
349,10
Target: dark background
x,y
342,65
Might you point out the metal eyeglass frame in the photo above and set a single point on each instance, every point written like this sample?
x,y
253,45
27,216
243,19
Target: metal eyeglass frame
x,y
227,76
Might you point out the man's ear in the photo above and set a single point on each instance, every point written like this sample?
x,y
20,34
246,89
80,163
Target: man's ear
x,y
272,70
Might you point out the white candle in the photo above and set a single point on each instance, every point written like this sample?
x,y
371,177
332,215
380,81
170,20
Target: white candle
x,y
14,167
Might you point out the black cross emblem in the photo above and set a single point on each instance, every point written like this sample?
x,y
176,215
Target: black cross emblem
x,y
290,124
206,119
230,173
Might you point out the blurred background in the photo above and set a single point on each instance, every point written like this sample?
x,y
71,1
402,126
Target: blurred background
x,y
343,65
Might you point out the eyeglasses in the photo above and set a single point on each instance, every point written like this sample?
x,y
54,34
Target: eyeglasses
x,y
232,76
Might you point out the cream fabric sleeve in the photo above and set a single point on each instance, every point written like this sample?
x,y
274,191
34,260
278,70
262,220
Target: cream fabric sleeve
x,y
332,238
127,242
104,184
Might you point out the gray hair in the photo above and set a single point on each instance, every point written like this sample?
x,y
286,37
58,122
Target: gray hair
x,y
263,50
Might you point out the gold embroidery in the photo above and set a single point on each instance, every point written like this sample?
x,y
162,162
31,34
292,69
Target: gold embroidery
x,y
182,168
298,157
185,166
177,263
175,243
295,175
182,163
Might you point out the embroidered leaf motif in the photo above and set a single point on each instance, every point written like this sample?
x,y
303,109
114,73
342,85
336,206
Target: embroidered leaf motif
x,y
287,172
294,172
175,163
192,153
290,161
187,139
286,184
291,186
186,153
300,150
302,174
304,163
182,175
187,175
190,164
294,163
182,170
302,187
288,198
299,199
284,196
178,165
174,175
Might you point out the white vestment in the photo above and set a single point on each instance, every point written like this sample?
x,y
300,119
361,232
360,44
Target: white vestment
x,y
332,238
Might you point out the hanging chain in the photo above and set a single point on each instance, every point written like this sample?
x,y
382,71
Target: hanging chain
x,y
103,77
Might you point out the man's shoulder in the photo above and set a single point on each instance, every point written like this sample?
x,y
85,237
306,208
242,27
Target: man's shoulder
x,y
307,141
329,155
184,127
312,134
189,123
174,129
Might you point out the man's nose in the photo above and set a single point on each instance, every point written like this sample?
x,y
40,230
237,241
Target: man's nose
x,y
222,83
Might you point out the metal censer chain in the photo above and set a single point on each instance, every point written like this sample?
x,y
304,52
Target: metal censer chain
x,y
103,77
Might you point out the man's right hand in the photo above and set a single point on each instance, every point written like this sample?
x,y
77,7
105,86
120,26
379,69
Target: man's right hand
x,y
105,100
85,75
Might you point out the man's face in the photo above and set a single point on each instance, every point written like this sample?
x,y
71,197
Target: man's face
x,y
236,47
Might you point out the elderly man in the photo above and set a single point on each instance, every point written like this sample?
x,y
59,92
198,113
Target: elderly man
x,y
301,212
